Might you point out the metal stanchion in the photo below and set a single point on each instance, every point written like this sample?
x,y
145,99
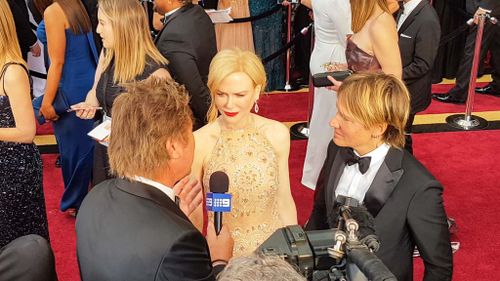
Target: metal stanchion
x,y
288,39
301,130
468,121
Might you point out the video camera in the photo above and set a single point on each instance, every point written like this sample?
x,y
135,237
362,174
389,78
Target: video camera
x,y
324,254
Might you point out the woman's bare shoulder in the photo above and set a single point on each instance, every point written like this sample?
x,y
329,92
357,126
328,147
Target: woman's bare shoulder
x,y
275,131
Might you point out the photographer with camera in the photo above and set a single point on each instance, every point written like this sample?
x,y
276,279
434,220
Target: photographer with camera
x,y
366,162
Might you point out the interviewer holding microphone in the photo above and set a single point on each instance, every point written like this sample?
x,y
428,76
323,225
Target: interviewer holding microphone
x,y
130,227
129,54
366,161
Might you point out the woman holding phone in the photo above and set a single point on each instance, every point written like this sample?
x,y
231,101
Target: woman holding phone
x,y
129,54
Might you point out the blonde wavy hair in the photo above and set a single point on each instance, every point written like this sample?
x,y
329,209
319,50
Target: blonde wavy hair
x,y
230,61
9,48
362,10
133,44
147,115
377,98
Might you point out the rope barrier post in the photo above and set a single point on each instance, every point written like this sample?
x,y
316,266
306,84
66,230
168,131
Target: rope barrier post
x,y
301,130
468,121
288,39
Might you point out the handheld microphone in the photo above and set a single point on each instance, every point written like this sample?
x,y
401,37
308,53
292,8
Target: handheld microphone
x,y
217,200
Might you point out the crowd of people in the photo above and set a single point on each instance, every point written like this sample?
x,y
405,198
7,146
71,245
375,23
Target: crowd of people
x,y
180,110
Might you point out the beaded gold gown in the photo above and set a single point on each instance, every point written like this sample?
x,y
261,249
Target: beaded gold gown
x,y
251,163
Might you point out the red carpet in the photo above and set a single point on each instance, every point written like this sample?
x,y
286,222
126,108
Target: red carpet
x,y
464,162
296,105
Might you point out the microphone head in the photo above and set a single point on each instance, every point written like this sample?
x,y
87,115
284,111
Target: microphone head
x,y
219,182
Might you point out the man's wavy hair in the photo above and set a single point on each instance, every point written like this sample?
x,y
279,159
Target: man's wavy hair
x,y
377,98
150,113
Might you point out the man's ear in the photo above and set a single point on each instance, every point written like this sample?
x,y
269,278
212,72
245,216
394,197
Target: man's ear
x,y
379,129
174,148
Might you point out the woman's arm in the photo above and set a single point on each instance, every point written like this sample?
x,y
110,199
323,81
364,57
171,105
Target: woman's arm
x,y
280,139
56,43
17,88
384,38
87,108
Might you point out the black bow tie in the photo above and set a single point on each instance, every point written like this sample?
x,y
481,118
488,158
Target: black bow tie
x,y
351,158
400,11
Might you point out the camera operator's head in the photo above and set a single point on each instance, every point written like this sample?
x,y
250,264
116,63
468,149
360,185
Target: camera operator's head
x,y
259,268
151,131
372,108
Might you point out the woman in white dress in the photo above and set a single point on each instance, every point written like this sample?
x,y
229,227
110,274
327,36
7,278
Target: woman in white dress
x,y
332,23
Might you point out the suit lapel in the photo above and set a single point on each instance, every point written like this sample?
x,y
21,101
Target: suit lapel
x,y
409,20
385,181
333,180
150,193
171,17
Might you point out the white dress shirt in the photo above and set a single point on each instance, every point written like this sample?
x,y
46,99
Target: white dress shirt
x,y
408,8
165,189
354,184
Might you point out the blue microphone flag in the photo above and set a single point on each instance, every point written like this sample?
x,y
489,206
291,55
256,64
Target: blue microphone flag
x,y
219,202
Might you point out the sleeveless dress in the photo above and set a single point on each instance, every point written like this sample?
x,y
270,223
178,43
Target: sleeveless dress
x,y
107,91
250,162
332,24
359,60
22,204
75,147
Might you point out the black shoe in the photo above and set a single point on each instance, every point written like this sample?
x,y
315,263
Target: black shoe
x,y
447,98
58,162
487,90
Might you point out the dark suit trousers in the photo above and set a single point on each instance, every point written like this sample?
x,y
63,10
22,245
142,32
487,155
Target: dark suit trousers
x,y
491,42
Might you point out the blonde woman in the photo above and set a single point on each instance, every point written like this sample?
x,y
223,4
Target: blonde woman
x,y
251,149
22,206
129,54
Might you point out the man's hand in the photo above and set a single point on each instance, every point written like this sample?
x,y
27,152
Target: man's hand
x,y
190,194
336,84
221,246
36,50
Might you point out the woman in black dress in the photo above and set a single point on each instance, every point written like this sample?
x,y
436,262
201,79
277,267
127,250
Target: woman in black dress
x,y
22,205
129,54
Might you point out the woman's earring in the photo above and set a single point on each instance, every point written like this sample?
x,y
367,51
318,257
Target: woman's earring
x,y
256,107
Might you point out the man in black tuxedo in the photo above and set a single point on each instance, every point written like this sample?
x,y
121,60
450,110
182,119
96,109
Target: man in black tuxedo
x,y
491,42
187,40
366,162
419,33
130,228
25,35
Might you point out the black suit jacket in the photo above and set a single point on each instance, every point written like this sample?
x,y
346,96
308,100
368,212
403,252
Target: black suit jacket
x,y
25,34
133,231
187,40
406,201
418,43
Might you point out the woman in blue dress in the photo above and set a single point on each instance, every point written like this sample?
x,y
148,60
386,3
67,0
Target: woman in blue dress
x,y
66,32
